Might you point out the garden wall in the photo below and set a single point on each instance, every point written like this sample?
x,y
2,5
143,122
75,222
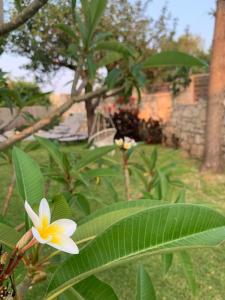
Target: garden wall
x,y
186,127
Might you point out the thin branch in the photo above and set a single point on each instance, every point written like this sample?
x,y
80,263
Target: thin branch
x,y
56,113
21,18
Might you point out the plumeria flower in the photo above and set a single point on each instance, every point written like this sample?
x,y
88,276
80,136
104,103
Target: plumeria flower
x,y
56,234
119,142
126,143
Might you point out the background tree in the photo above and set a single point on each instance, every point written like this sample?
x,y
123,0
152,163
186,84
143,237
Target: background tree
x,y
215,112
50,49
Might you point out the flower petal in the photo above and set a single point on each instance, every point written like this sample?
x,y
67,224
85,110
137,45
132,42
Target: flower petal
x,y
33,216
68,226
38,237
44,211
65,244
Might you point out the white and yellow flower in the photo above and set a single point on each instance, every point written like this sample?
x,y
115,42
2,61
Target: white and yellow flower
x,y
119,142
56,234
126,143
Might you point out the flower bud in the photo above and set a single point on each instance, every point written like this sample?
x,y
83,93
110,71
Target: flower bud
x,y
24,240
4,258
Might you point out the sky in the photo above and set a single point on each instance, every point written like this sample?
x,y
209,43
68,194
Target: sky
x,y
192,13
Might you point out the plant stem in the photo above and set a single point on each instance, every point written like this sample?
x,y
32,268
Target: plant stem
x,y
9,195
23,287
126,175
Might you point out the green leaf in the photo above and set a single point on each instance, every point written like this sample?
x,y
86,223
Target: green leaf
x,y
155,230
111,189
188,271
153,159
8,236
103,172
103,218
110,58
167,259
112,78
90,288
83,204
30,182
145,288
116,47
173,59
54,152
60,208
68,30
181,197
91,156
97,8
93,288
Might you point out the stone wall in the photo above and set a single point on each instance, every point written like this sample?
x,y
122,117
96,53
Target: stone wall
x,y
186,127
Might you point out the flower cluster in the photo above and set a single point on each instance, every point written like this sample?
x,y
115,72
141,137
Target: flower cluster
x,y
126,143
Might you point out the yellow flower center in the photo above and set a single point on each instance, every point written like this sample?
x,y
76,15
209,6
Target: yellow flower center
x,y
50,232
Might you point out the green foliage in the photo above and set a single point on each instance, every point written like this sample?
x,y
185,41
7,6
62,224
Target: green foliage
x,y
159,180
172,59
146,232
145,288
30,183
91,288
60,208
21,94
8,235
188,271
100,220
116,233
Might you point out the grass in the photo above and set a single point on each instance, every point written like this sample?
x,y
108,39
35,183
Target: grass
x,y
209,263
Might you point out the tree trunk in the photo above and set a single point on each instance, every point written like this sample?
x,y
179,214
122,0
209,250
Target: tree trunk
x,y
215,109
1,12
90,111
90,107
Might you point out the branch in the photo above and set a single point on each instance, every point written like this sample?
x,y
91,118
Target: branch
x,y
21,18
56,113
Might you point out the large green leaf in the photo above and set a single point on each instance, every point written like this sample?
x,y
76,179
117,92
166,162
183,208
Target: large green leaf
x,y
97,8
116,47
109,58
30,182
91,156
90,288
93,288
156,230
8,236
103,218
145,288
172,59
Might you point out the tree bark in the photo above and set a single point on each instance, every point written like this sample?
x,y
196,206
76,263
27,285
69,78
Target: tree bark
x,y
1,12
90,112
22,17
215,108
